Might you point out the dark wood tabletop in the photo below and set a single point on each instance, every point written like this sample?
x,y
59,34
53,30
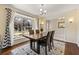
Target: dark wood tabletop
x,y
35,36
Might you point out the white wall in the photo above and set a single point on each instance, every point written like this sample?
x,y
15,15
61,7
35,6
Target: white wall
x,y
43,24
34,23
71,31
77,22
70,28
59,32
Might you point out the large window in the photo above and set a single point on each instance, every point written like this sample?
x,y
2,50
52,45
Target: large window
x,y
22,23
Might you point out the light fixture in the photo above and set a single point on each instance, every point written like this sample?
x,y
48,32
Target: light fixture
x,y
61,18
45,11
42,22
42,10
71,20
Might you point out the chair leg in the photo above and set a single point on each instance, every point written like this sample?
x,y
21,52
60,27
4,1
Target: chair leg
x,y
53,44
49,47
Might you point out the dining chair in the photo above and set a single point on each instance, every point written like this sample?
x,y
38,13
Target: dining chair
x,y
37,31
45,42
51,39
31,32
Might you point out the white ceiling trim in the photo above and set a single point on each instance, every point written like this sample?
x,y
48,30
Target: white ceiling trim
x,y
21,11
53,10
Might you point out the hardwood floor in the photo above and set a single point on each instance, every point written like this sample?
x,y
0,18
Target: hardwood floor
x,y
7,50
70,49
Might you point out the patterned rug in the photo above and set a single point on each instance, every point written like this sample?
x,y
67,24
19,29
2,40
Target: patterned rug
x,y
25,50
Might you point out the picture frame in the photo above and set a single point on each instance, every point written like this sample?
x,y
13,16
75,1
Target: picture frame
x,y
60,24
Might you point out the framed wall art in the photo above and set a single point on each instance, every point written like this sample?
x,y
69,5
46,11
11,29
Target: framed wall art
x,y
60,24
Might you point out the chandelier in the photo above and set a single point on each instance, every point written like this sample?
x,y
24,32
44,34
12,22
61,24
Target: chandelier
x,y
43,11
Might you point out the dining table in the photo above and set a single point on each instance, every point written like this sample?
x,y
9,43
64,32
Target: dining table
x,y
34,41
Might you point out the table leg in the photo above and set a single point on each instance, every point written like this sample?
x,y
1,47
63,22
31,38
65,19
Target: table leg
x,y
34,44
31,44
38,47
46,50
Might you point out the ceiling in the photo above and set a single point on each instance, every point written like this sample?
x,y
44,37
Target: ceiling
x,y
53,10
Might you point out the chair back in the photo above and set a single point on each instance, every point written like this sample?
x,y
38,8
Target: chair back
x,y
48,38
37,31
51,39
52,35
31,32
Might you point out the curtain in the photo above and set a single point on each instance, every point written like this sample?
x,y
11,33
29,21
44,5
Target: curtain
x,y
7,38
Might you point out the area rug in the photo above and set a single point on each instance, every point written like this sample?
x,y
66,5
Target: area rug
x,y
58,49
